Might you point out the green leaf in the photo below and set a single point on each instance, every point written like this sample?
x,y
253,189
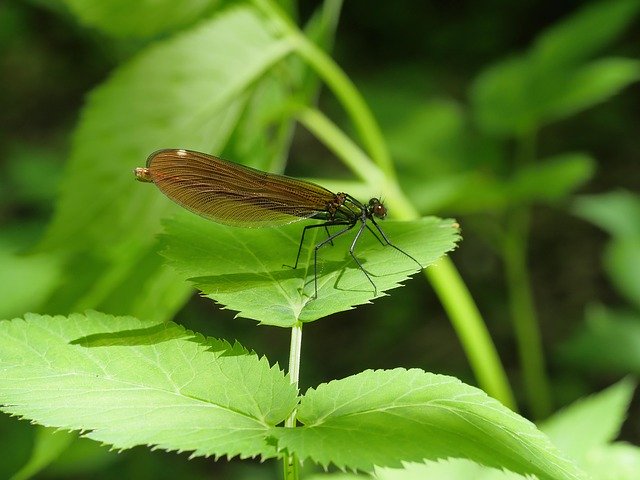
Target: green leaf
x,y
617,212
608,342
550,179
519,95
127,382
573,429
387,417
584,33
245,269
181,92
591,84
622,263
142,18
503,99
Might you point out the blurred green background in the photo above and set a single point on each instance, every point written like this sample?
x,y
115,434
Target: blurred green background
x,y
444,80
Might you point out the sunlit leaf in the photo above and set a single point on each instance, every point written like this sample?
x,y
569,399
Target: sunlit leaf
x,y
246,269
388,417
126,382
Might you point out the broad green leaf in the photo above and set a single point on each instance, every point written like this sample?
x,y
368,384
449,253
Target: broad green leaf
x,y
503,99
127,382
550,179
591,84
622,263
573,429
608,342
616,212
519,95
245,269
584,33
49,444
187,91
515,96
141,18
386,417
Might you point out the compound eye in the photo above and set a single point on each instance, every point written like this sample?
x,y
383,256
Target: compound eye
x,y
379,210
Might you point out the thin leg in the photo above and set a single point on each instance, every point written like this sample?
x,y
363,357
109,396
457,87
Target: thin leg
x,y
304,231
326,229
386,239
376,235
349,226
353,246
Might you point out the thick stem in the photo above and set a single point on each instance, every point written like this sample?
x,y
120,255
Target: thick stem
x,y
472,332
290,462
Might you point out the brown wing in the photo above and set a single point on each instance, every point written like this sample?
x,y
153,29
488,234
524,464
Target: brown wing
x,y
233,194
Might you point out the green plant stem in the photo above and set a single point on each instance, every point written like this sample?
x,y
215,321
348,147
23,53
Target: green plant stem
x,y
471,330
290,462
521,304
341,85
340,144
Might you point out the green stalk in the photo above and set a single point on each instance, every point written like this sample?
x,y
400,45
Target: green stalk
x,y
521,304
341,85
290,462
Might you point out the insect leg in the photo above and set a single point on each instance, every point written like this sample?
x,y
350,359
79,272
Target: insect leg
x,y
386,239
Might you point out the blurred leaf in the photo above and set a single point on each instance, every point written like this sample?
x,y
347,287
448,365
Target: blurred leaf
x,y
622,263
337,476
585,33
619,461
619,214
387,417
546,181
48,446
450,469
172,389
32,174
593,83
551,179
523,93
27,280
179,92
573,429
244,269
608,342
503,99
142,18
616,212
